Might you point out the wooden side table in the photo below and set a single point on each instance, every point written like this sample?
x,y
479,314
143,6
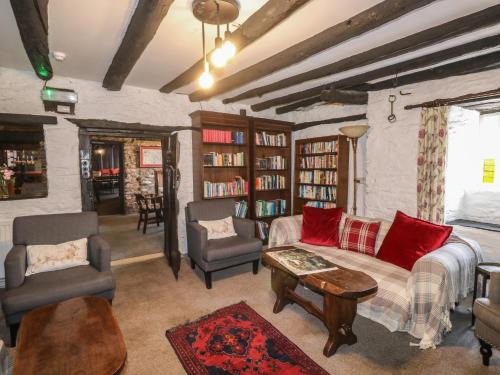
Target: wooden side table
x,y
483,269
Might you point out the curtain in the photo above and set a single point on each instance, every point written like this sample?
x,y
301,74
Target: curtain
x,y
431,163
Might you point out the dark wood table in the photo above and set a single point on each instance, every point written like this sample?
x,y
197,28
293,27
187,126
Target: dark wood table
x,y
341,290
77,336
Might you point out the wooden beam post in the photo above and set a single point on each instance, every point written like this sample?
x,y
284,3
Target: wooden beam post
x,y
361,23
391,70
425,38
337,120
267,17
32,21
142,28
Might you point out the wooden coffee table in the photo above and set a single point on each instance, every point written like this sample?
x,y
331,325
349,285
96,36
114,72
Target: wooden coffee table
x,y
341,290
77,336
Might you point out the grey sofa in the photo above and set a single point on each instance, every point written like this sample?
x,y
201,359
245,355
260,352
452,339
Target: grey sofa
x,y
26,293
487,313
215,255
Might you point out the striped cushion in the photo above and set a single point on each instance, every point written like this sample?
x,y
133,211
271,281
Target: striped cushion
x,y
359,236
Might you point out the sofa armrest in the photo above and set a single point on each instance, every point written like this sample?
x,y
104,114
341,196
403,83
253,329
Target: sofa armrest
x,y
197,238
244,227
494,293
285,231
15,267
99,253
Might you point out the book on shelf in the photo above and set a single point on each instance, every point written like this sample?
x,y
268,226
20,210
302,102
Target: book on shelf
x,y
262,229
223,136
270,182
319,147
318,177
323,193
265,139
324,161
225,189
241,208
274,207
321,204
215,159
271,162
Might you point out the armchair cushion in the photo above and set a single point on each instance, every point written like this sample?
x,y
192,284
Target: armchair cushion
x,y
15,267
51,287
488,313
217,229
230,247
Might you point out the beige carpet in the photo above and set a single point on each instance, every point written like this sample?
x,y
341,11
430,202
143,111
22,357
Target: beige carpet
x,y
149,300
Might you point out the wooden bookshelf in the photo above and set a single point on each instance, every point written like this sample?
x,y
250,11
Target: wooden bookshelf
x,y
340,167
205,120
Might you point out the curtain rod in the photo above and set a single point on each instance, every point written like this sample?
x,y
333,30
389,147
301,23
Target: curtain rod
x,y
492,94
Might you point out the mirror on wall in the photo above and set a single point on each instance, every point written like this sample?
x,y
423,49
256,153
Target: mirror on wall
x,y
23,166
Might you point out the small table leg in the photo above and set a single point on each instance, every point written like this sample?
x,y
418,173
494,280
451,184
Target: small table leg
x,y
339,314
281,282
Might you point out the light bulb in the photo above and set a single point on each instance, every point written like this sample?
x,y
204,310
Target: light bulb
x,y
206,80
229,49
218,58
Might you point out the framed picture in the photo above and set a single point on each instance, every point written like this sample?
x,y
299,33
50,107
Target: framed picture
x,y
150,157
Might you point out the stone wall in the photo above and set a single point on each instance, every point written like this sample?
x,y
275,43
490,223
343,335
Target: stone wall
x,y
135,179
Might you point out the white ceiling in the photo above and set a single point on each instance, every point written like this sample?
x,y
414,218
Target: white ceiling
x,y
90,32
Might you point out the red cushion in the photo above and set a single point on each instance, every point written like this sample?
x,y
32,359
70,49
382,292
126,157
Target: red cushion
x,y
320,226
115,171
360,236
105,172
409,239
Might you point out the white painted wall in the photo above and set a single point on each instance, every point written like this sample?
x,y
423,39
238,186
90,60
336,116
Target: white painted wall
x,y
20,93
391,149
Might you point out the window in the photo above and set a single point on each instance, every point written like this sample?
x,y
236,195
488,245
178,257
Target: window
x,y
489,171
23,168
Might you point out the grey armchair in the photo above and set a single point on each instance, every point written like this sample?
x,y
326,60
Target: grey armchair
x,y
24,293
487,313
215,255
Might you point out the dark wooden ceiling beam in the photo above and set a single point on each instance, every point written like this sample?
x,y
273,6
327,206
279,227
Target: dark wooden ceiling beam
x,y
361,23
25,119
425,38
297,105
478,64
333,96
32,22
267,17
337,120
391,70
142,28
126,126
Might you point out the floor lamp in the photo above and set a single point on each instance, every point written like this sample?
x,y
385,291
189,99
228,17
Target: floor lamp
x,y
354,132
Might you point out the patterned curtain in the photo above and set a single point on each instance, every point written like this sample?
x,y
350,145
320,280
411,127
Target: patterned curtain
x,y
431,164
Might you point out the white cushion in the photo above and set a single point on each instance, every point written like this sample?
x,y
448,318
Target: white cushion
x,y
45,258
382,232
219,228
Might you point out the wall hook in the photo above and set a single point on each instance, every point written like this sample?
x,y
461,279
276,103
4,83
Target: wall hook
x,y
392,116
404,93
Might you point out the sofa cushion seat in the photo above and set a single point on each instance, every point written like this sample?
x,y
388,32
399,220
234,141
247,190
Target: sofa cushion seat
x,y
51,287
230,247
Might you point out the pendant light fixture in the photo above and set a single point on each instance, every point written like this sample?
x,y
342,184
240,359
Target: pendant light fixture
x,y
216,12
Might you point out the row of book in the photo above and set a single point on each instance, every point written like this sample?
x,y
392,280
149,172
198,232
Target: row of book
x,y
321,204
270,208
319,147
216,159
266,139
262,229
223,136
270,182
318,177
225,189
241,208
271,162
323,193
325,161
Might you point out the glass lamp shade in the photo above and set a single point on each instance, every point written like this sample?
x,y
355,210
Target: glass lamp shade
x,y
354,131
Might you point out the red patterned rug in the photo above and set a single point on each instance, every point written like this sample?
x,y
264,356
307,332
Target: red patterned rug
x,y
237,340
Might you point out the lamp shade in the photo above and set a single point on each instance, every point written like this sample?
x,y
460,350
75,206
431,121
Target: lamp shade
x,y
354,131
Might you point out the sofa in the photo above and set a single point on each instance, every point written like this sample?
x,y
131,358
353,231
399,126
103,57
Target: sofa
x,y
417,301
24,293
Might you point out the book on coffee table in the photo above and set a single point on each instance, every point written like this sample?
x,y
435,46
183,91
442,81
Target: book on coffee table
x,y
302,262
